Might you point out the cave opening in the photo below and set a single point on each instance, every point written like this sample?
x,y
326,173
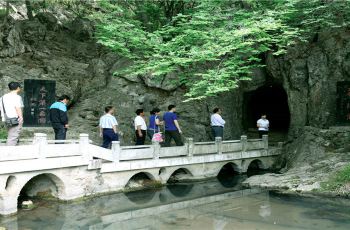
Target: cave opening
x,y
272,100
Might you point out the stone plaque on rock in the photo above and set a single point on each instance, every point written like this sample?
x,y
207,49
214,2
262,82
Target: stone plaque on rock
x,y
343,111
38,97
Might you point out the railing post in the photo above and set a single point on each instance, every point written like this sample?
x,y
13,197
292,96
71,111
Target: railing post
x,y
84,145
40,139
190,146
116,150
218,143
156,149
265,139
244,142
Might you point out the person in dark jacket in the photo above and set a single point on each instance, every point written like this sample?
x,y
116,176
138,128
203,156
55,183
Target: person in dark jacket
x,y
59,118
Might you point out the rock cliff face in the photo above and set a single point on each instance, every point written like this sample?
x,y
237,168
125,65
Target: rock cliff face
x,y
309,73
67,53
314,157
47,48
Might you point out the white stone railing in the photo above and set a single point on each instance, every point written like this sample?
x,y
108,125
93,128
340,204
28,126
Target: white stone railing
x,y
154,151
42,148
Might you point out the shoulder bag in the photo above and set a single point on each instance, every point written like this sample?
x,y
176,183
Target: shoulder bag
x,y
10,122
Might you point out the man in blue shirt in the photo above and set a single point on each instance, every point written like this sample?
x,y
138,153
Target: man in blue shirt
x,y
172,127
59,118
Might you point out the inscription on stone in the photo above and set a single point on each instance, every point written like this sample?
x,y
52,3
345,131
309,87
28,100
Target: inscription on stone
x,y
38,96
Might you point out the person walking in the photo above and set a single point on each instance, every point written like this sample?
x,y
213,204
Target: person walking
x,y
59,117
154,123
108,127
263,125
172,127
217,123
140,127
12,113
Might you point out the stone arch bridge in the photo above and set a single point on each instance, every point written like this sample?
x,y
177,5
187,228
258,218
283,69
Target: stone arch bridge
x,y
76,168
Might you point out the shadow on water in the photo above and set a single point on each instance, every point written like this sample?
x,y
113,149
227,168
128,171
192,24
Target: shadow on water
x,y
228,177
180,190
141,196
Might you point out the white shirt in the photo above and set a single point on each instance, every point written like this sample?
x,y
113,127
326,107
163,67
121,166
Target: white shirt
x,y
107,121
139,121
216,120
263,124
11,101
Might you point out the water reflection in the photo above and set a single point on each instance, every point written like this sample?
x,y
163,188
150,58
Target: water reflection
x,y
230,181
180,190
202,205
137,197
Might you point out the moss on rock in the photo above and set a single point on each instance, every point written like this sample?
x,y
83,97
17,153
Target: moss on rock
x,y
339,181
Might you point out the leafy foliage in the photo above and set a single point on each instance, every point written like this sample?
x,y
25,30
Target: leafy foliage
x,y
3,132
211,45
337,180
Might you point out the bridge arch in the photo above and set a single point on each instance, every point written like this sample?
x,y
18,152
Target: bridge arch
x,y
175,173
228,167
139,178
254,166
42,184
257,163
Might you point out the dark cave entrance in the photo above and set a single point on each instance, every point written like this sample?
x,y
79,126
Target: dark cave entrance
x,y
270,99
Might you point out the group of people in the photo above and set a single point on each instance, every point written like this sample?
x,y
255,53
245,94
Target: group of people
x,y
11,108
169,123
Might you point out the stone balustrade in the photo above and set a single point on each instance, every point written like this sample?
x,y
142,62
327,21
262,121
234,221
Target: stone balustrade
x,y
78,168
190,149
41,147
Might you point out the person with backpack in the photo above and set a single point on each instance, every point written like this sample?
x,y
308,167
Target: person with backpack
x,y
12,113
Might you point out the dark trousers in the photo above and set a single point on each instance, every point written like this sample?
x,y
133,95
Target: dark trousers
x,y
262,132
169,135
218,131
140,140
108,136
60,132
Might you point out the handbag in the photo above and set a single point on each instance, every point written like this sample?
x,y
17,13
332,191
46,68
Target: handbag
x,y
157,137
9,122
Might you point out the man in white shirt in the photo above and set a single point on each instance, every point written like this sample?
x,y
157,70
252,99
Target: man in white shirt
x,y
217,123
11,107
108,127
140,127
263,125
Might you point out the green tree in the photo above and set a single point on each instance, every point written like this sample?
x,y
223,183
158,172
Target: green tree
x,y
211,45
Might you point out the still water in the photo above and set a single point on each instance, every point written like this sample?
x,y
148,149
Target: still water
x,y
216,204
